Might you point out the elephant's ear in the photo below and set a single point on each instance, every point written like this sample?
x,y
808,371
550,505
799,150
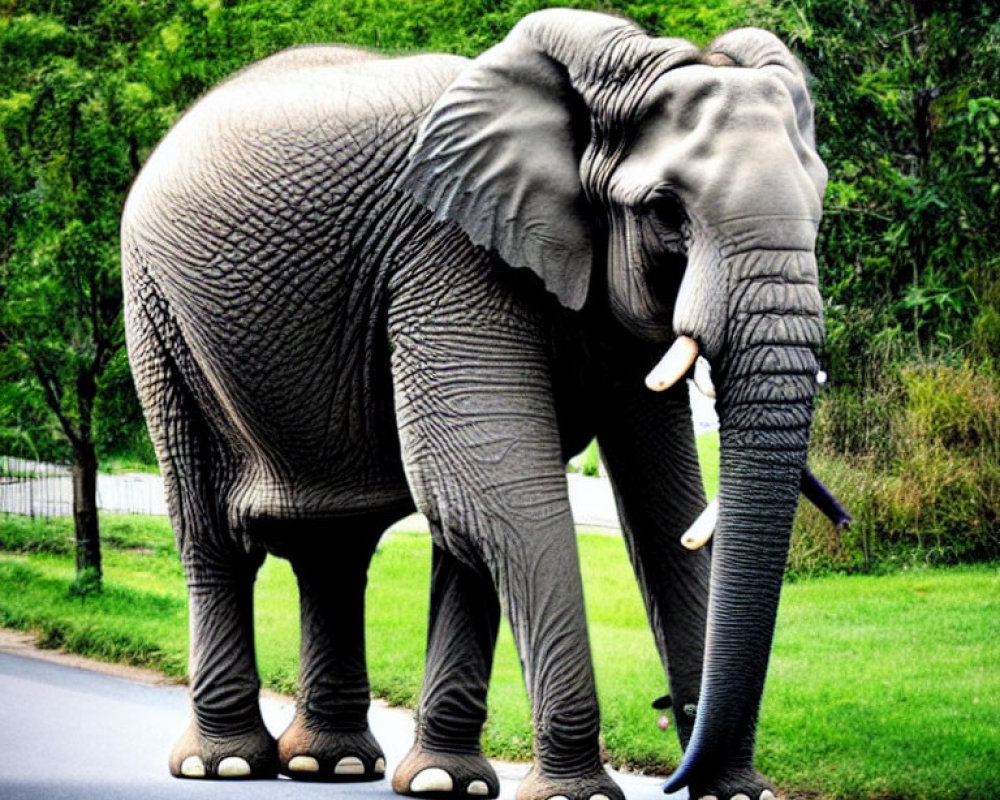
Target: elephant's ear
x,y
499,155
760,49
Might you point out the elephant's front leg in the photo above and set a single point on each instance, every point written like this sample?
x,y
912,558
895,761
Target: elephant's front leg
x,y
329,739
461,636
482,452
647,440
227,738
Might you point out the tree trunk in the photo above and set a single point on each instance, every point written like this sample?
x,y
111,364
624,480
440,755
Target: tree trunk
x,y
88,541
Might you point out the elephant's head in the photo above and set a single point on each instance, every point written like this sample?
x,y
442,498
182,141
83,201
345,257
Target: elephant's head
x,y
578,147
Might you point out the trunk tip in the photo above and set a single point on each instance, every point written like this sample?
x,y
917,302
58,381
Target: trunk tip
x,y
681,776
675,783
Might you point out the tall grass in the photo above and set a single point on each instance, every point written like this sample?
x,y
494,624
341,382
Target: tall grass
x,y
916,460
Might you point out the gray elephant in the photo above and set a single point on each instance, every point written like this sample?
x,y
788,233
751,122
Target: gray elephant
x,y
355,285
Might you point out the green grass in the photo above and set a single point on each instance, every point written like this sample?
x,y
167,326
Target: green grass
x,y
116,465
879,687
899,672
708,455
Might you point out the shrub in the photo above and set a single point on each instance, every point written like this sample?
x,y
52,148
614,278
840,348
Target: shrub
x,y
24,535
587,462
917,463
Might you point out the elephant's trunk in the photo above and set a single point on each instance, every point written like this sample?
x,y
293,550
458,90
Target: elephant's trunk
x,y
766,381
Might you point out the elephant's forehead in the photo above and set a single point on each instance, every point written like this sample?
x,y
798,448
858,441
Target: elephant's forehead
x,y
687,94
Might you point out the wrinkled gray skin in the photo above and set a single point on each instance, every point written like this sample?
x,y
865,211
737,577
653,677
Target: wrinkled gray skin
x,y
357,284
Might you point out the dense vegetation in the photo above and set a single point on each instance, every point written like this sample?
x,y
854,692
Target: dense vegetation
x,y
909,123
908,120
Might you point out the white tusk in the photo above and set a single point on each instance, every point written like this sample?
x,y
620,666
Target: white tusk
x,y
703,378
701,529
674,365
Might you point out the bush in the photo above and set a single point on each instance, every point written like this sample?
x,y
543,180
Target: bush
x,y
917,463
20,534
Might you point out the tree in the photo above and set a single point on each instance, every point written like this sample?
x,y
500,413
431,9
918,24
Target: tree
x,y
86,90
64,172
908,122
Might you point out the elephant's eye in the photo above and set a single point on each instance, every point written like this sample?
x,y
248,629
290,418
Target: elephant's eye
x,y
669,211
667,227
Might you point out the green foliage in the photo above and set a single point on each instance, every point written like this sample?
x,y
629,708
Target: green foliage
x,y
27,426
587,462
917,462
908,124
119,427
591,463
62,182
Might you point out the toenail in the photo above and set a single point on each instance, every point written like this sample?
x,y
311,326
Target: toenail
x,y
432,779
559,797
740,796
380,766
303,764
349,765
193,767
767,794
233,767
478,789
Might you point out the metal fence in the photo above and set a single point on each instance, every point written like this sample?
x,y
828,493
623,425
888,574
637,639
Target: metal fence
x,y
41,489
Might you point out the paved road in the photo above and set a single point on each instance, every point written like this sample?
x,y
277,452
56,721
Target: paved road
x,y
68,733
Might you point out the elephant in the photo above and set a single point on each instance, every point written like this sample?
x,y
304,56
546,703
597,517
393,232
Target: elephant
x,y
356,285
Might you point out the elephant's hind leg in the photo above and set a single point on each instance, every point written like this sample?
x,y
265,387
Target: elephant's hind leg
x,y
329,739
464,618
227,737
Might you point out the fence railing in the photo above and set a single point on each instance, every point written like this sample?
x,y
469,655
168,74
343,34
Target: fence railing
x,y
42,489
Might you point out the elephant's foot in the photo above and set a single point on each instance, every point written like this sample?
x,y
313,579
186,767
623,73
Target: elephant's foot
x,y
428,773
740,786
246,755
309,752
595,786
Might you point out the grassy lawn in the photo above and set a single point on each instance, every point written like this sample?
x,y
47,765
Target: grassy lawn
x,y
879,687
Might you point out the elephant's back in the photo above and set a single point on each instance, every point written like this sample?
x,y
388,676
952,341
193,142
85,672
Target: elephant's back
x,y
321,106
262,219
291,149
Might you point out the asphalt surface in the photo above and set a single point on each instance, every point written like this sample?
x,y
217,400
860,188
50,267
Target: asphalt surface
x,y
68,733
